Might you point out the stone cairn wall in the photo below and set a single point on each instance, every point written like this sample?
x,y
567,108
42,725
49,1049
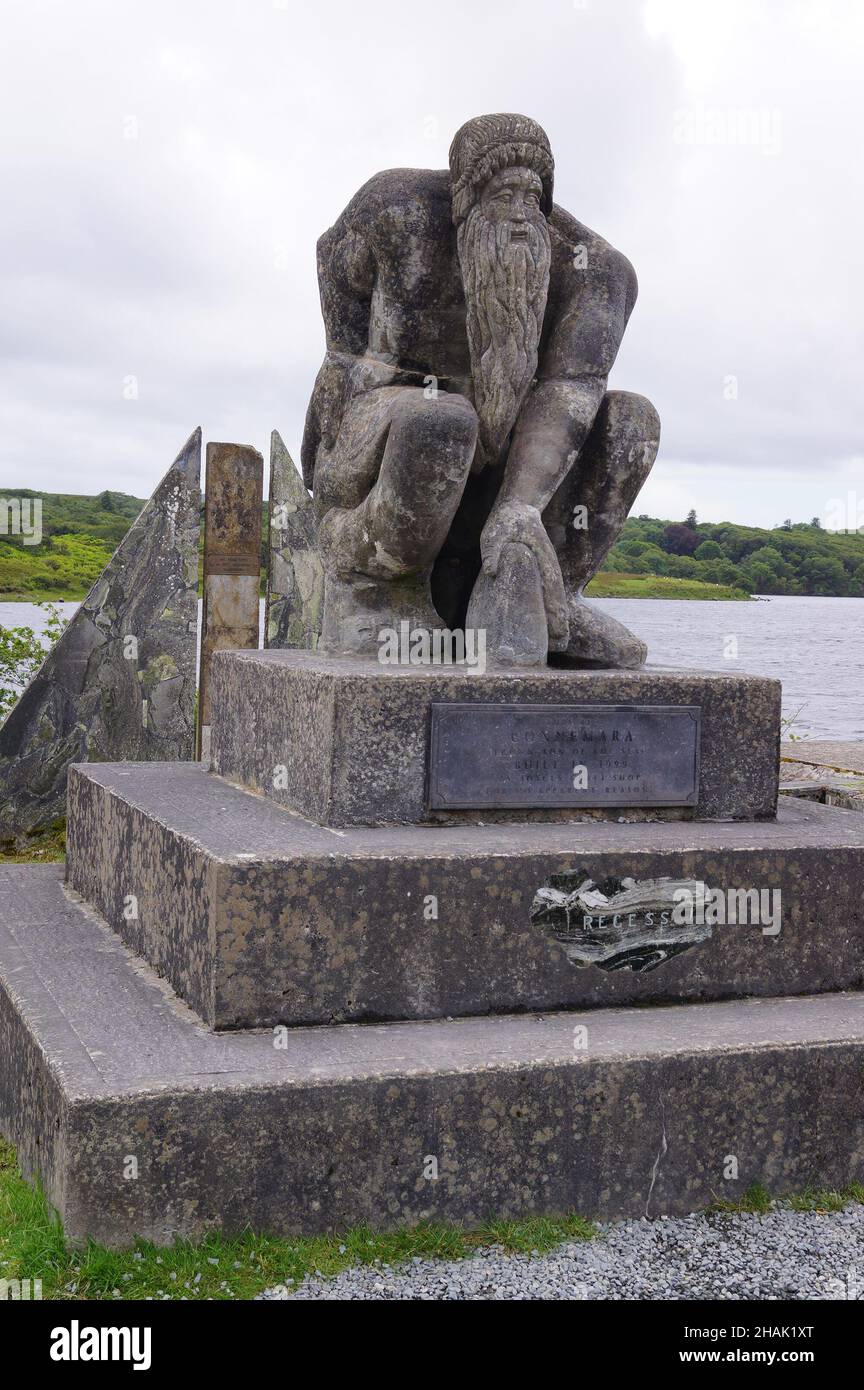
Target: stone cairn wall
x,y
120,684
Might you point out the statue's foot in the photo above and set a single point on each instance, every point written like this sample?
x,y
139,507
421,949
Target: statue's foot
x,y
509,609
597,639
358,610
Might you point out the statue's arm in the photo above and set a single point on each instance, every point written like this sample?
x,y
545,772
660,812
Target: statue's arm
x,y
346,280
558,413
556,419
554,423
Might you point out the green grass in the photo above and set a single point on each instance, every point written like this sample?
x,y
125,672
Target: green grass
x,y
615,584
824,1199
32,1246
47,848
79,536
757,1201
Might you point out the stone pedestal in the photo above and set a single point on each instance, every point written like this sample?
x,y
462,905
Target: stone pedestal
x,y
472,983
609,1113
349,743
257,917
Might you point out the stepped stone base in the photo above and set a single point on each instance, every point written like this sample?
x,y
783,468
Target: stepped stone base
x,y
639,1114
257,917
347,742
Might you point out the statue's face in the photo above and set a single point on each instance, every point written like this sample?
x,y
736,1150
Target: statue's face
x,y
513,197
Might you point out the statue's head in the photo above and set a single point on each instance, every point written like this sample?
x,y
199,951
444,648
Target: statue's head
x,y
488,146
501,170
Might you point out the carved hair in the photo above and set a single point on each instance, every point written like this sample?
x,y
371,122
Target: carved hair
x,y
485,145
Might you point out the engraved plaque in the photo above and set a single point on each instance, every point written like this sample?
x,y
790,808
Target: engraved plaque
x,y
497,756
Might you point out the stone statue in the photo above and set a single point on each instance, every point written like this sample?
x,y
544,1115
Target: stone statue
x,y
468,465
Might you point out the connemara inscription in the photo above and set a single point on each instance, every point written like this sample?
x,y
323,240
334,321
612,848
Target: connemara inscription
x,y
505,755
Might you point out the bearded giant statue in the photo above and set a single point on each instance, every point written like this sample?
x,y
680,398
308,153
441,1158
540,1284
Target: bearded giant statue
x,y
469,467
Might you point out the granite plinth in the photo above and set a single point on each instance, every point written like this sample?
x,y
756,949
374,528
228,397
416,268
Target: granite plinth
x,y
346,742
256,916
98,1062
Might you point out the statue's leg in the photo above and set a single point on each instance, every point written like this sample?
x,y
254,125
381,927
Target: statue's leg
x,y
378,556
617,458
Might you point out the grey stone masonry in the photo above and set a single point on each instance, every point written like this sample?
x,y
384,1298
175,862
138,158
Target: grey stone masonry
x,y
612,1113
120,683
257,917
346,742
295,575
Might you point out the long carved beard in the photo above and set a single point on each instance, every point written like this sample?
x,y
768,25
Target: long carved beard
x,y
506,283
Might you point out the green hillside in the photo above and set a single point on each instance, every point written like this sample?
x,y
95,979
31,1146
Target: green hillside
x,y
79,536
651,559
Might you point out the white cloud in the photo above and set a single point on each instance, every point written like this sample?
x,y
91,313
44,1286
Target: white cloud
x,y
167,170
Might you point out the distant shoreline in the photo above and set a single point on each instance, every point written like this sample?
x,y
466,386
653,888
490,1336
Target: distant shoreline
x,y
604,585
618,584
651,558
48,596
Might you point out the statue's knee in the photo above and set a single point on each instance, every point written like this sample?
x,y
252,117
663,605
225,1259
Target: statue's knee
x,y
628,413
352,542
461,419
438,415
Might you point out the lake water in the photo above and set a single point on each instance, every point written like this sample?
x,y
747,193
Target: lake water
x,y
815,646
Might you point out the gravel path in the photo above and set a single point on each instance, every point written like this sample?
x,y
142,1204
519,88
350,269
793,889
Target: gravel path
x,y
783,1255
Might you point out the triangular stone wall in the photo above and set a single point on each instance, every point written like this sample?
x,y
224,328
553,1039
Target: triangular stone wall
x,y
120,682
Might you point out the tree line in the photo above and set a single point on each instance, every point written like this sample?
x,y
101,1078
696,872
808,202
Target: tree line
x,y
795,558
79,535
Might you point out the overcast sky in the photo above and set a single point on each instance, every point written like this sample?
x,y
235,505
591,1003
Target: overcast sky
x,y
167,168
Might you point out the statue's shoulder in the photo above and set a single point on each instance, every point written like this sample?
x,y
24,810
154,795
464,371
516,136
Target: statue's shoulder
x,y
396,202
577,249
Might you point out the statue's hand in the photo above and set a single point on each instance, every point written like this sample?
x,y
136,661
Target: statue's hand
x,y
518,522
